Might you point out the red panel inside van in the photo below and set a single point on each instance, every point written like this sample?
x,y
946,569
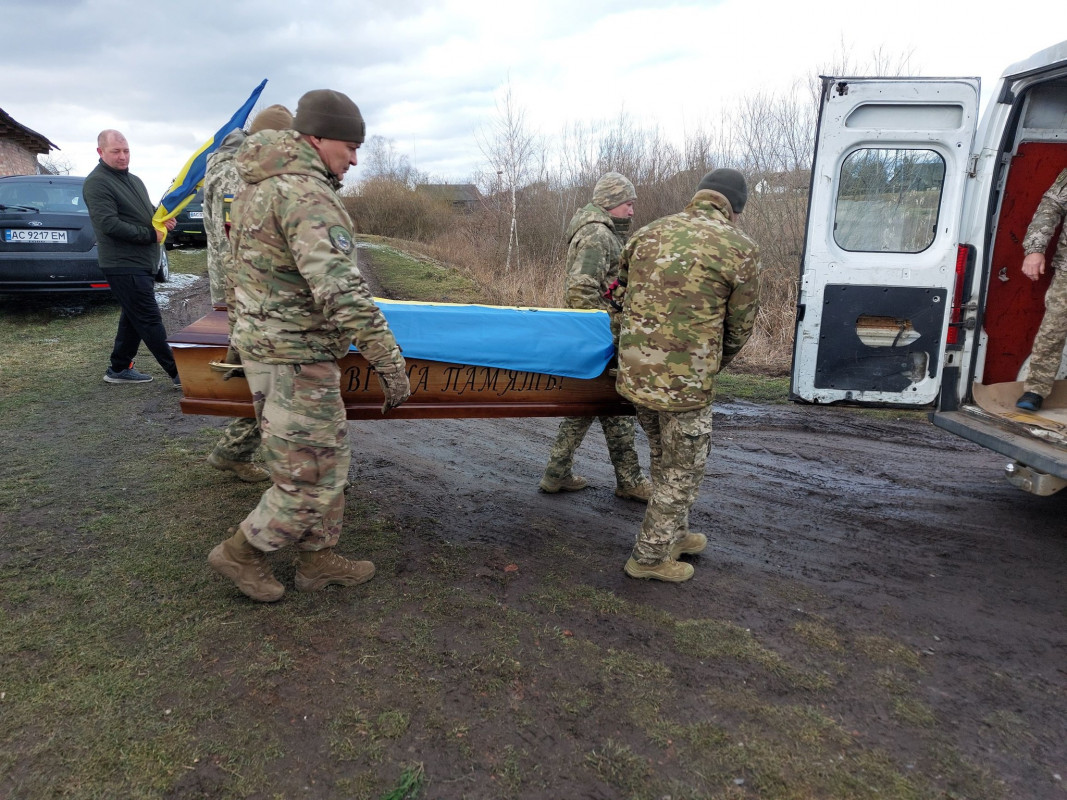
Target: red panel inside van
x,y
1015,306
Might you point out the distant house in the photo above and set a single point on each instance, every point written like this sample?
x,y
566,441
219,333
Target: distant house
x,y
19,147
464,197
792,182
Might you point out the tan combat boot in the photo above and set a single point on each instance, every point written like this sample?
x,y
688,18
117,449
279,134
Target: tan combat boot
x,y
246,566
572,483
666,570
642,492
318,568
690,543
245,470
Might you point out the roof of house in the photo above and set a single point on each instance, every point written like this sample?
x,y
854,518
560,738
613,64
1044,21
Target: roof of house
x,y
20,134
463,193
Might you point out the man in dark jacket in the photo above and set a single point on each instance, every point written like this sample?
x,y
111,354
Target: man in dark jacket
x,y
128,252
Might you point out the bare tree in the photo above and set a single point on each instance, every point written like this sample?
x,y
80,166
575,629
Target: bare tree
x,y
55,164
380,160
513,151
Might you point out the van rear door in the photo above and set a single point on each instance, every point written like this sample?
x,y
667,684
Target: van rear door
x,y
879,268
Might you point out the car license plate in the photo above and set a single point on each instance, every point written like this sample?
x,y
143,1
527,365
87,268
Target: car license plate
x,y
196,215
39,236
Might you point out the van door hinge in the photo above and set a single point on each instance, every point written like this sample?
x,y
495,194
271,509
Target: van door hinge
x,y
972,165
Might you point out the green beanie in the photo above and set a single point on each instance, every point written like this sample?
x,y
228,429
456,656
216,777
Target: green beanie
x,y
329,115
730,184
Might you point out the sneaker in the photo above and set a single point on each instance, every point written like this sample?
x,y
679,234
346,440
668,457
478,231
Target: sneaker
x,y
316,569
128,375
689,544
667,570
246,566
1030,401
572,483
245,470
641,492
176,381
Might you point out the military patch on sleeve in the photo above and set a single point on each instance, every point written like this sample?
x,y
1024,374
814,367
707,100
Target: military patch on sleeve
x,y
341,239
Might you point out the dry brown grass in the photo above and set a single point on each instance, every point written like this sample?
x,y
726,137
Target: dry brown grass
x,y
389,208
470,243
478,244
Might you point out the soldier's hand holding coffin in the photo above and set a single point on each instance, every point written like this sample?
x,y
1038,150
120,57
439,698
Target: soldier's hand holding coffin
x,y
395,384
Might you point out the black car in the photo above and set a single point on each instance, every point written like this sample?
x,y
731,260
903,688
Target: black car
x,y
189,224
47,243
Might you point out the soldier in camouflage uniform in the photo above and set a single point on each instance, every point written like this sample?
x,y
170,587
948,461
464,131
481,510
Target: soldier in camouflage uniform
x,y
1047,351
301,302
692,291
240,440
595,237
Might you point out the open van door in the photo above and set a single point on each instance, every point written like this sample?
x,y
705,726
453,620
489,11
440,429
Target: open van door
x,y
879,270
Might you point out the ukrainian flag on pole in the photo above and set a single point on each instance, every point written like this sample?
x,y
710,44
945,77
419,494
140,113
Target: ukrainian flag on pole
x,y
191,177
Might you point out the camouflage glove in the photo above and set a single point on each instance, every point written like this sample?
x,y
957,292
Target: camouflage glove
x,y
395,385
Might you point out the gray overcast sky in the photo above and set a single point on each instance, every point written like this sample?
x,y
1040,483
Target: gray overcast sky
x,y
427,74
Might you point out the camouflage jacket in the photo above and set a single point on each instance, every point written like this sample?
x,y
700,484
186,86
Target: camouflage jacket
x,y
220,181
593,250
691,300
300,296
1049,214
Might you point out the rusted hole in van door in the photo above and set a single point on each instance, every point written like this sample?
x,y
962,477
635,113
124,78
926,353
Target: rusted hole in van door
x,y
876,331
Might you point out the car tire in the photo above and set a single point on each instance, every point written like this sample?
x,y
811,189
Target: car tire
x,y
163,269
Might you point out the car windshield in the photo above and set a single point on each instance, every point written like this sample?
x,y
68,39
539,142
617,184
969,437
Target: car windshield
x,y
44,195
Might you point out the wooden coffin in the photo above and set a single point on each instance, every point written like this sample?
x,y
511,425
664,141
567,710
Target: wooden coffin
x,y
438,390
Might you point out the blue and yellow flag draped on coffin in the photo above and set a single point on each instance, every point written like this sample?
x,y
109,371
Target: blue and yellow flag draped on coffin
x,y
191,177
566,342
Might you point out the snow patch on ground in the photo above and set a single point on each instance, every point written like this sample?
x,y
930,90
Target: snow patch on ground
x,y
177,282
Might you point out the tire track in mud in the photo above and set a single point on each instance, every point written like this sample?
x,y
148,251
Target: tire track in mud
x,y
870,513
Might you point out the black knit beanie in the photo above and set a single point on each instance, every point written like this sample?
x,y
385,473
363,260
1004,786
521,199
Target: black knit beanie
x,y
329,115
730,184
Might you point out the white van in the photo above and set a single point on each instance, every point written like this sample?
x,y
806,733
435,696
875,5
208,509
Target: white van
x,y
911,289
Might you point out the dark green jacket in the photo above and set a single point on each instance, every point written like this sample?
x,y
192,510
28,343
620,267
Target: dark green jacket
x,y
121,214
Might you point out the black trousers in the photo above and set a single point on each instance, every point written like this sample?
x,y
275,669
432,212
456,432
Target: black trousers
x,y
140,321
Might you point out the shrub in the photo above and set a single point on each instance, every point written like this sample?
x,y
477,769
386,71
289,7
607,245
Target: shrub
x,y
385,207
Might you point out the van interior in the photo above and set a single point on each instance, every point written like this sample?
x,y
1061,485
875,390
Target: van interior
x,y
1035,152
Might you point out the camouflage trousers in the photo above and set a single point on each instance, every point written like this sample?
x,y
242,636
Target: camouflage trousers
x,y
679,443
1047,351
305,448
240,440
619,433
216,273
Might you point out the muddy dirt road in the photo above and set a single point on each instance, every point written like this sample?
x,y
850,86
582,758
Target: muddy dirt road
x,y
885,527
894,528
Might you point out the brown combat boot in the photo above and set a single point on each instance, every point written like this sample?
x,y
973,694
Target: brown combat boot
x,y
245,470
642,492
666,570
246,566
689,544
572,483
318,568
